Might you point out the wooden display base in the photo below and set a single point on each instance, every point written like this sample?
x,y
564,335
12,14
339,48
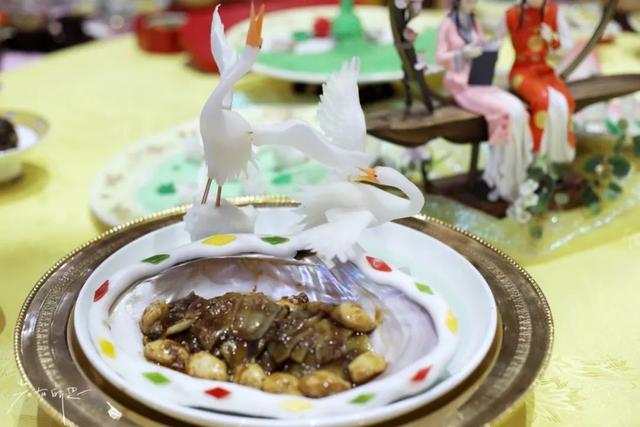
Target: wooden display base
x,y
469,193
473,192
416,127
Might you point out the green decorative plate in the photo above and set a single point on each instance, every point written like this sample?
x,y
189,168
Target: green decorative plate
x,y
379,61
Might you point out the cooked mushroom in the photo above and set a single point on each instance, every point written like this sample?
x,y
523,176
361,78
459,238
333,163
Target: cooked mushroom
x,y
167,353
206,365
366,366
322,383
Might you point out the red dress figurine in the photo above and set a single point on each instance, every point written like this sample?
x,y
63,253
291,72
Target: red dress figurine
x,y
535,29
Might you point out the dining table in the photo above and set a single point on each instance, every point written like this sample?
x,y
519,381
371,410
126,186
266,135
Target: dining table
x,y
101,97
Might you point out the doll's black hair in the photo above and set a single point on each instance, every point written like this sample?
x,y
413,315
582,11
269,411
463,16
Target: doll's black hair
x,y
523,3
454,14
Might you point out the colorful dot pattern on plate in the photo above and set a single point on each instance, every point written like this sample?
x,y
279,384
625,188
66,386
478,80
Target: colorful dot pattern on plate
x,y
424,288
101,291
378,264
219,239
107,348
169,188
156,259
452,322
232,397
296,405
421,375
274,240
363,398
218,392
156,378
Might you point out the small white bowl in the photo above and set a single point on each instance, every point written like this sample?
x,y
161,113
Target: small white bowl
x,y
30,129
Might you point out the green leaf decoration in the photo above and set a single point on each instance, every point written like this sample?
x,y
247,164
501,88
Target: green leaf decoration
x,y
156,259
536,173
610,195
591,163
623,124
620,166
612,127
363,398
274,240
613,186
543,203
166,188
156,378
535,230
424,288
561,198
557,170
636,145
613,191
589,197
618,145
595,208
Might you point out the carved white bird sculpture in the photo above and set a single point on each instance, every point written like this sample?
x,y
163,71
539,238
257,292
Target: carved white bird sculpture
x,y
228,138
336,214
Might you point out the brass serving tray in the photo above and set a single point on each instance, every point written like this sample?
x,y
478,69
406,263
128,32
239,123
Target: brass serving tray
x,y
49,359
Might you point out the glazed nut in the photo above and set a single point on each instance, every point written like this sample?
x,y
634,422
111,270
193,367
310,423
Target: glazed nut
x,y
322,383
281,383
205,365
249,374
366,366
353,316
167,353
153,313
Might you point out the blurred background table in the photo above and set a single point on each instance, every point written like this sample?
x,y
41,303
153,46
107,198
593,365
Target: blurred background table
x,y
101,96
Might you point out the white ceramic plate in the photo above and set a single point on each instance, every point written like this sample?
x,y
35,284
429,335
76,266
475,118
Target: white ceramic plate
x,y
428,260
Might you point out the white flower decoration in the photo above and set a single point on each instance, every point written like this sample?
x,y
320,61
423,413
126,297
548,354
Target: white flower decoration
x,y
529,200
528,187
400,4
519,214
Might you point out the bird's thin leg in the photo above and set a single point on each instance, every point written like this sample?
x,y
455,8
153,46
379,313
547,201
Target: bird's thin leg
x,y
218,196
205,195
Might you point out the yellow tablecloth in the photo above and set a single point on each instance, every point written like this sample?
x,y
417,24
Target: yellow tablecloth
x,y
100,97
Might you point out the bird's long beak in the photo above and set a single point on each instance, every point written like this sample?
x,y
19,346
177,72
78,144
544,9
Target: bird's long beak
x,y
367,175
254,36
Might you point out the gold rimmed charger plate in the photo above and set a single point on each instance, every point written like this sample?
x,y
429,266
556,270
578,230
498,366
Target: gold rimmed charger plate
x,y
48,357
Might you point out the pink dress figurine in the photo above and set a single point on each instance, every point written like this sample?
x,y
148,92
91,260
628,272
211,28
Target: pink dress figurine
x,y
459,41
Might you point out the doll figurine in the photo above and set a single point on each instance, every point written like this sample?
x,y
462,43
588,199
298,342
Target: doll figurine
x,y
460,40
536,28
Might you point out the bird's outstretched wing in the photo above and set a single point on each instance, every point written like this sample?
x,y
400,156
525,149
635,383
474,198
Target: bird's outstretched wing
x,y
300,135
224,55
339,112
337,237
